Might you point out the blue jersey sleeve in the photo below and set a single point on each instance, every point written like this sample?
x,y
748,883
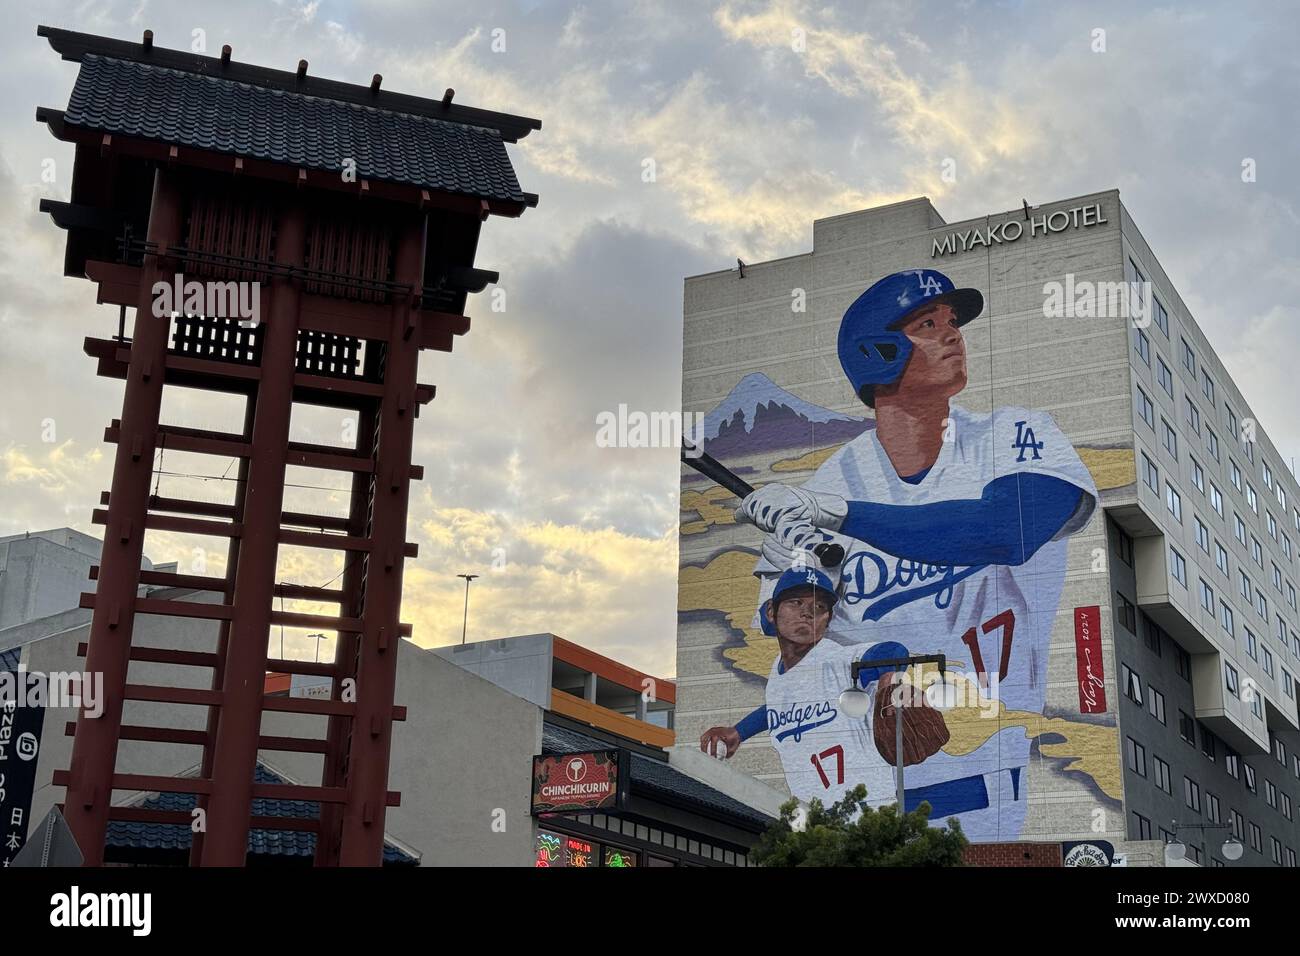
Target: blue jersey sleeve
x,y
752,723
1014,517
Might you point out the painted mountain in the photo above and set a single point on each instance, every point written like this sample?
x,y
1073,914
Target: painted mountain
x,y
759,415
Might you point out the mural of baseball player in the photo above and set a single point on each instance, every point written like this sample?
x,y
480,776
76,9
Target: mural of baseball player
x,y
823,751
955,525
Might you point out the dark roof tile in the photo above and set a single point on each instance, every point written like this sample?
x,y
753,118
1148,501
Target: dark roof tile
x,y
206,112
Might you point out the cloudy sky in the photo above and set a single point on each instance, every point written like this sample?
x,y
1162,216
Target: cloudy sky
x,y
751,141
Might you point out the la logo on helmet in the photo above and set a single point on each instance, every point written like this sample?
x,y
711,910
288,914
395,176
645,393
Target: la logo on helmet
x,y
930,285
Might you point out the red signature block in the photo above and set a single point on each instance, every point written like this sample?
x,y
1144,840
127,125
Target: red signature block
x,y
1088,660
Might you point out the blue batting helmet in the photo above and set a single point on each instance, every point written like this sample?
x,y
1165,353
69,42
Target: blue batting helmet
x,y
802,578
872,349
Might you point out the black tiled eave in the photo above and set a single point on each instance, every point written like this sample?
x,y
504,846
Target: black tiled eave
x,y
205,112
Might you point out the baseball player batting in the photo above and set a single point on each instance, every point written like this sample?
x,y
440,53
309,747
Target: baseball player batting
x,y
955,526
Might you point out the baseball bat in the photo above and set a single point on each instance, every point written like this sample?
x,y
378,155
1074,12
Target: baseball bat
x,y
829,553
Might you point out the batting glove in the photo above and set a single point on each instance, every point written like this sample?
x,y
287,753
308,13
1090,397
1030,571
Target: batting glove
x,y
772,503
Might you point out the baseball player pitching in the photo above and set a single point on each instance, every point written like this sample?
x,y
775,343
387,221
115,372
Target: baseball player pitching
x,y
823,751
955,526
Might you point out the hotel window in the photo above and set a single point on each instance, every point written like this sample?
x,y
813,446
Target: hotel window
x,y
1290,595
1151,634
1146,409
1170,439
1281,497
1161,775
1132,684
1244,584
1251,498
1143,347
1221,560
1141,827
1174,502
1256,843
1230,681
1235,824
1261,604
1286,547
1236,474
1207,596
1250,777
1189,358
1165,377
1240,530
1187,728
1281,632
1193,417
1277,578
1207,386
1126,613
1272,525
1232,764
1256,709
1162,317
1286,807
1268,476
1250,451
1216,500
1277,850
1178,565
1183,663
1270,793
1156,704
1256,551
1290,857
1207,743
1202,536
1136,756
1225,617
1150,474
1252,648
1268,662
1198,476
1279,750
1123,545
1192,794
1212,443
1212,807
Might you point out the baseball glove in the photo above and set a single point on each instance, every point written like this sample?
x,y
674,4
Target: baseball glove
x,y
924,730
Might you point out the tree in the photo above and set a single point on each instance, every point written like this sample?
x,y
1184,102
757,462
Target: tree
x,y
850,833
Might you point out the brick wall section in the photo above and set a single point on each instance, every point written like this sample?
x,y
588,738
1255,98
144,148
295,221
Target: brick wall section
x,y
1013,854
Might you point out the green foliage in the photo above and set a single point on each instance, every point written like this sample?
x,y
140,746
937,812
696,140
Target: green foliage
x,y
850,833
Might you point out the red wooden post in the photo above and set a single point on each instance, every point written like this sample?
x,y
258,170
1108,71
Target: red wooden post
x,y
234,757
372,727
94,748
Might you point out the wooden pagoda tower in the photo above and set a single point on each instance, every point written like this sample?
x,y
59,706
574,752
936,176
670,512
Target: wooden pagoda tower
x,y
356,211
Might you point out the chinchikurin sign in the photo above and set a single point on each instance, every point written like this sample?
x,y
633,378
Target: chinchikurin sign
x,y
1077,217
594,780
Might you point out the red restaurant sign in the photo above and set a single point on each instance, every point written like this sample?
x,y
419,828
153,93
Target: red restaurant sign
x,y
579,781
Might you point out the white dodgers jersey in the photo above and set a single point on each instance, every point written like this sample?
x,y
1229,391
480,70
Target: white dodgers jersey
x,y
823,751
992,621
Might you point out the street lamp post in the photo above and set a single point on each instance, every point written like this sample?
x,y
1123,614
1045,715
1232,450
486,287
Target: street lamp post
x,y
464,627
317,638
857,703
1177,850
